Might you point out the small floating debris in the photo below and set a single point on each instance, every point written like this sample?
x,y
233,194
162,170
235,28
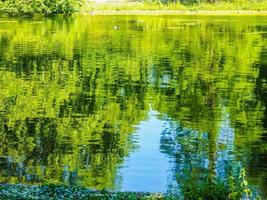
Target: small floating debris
x,y
116,27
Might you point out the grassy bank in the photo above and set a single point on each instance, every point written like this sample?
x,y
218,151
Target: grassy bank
x,y
238,7
68,7
177,12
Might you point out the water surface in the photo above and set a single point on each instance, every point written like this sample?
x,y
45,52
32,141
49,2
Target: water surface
x,y
130,102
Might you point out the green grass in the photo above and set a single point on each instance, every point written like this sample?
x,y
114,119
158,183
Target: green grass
x,y
128,6
144,6
18,8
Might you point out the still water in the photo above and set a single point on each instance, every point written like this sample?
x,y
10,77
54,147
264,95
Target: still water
x,y
131,102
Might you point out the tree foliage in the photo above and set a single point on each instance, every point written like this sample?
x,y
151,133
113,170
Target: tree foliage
x,y
30,7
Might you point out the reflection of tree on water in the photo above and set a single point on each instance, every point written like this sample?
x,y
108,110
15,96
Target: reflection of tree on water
x,y
186,146
258,162
10,168
191,150
50,155
261,87
72,92
225,147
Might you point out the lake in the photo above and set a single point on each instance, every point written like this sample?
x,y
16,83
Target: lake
x,y
129,103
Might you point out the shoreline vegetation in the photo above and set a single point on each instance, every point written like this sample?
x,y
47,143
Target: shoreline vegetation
x,y
176,12
160,7
176,8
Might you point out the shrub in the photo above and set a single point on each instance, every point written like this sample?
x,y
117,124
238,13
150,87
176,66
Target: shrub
x,y
31,7
211,188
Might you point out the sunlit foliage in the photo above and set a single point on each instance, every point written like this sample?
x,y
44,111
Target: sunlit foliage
x,y
28,7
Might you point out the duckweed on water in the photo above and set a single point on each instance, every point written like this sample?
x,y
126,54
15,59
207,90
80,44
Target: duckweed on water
x,y
8,191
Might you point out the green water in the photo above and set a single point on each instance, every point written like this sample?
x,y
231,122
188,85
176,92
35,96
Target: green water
x,y
128,102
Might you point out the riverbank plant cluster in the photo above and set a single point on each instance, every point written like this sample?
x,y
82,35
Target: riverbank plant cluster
x,y
233,187
68,7
31,7
246,5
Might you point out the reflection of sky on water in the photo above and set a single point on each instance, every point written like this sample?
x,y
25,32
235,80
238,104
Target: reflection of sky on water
x,y
147,169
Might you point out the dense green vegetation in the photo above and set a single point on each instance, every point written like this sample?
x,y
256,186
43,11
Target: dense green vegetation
x,y
182,7
28,7
233,187
68,7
